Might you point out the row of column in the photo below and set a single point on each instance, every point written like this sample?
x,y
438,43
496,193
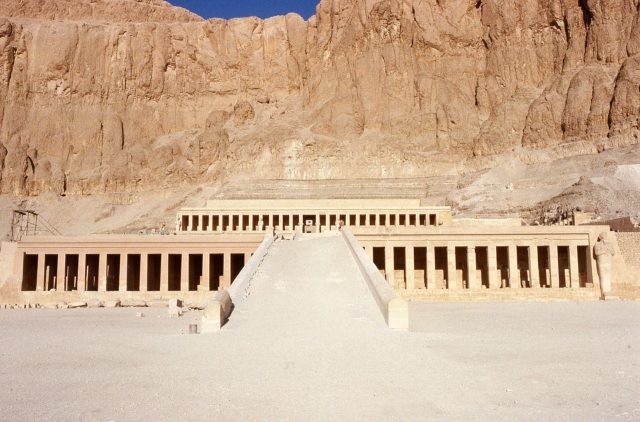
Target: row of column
x,y
84,270
473,281
261,222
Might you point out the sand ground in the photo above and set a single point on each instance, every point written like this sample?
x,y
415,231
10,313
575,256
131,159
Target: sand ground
x,y
311,345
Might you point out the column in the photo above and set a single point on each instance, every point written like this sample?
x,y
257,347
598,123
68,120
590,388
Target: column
x,y
553,265
61,284
102,272
367,221
588,260
220,223
210,228
281,222
226,271
474,282
144,271
389,266
452,282
409,267
377,220
164,272
387,220
184,272
534,267
431,267
82,272
41,282
206,273
573,266
492,267
122,283
514,276
397,220
189,222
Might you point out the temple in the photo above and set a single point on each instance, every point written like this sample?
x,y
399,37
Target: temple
x,y
420,251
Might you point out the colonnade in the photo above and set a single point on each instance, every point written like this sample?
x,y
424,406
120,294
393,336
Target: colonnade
x,y
286,220
141,271
437,265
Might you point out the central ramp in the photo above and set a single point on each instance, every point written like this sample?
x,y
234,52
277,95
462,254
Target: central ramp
x,y
310,286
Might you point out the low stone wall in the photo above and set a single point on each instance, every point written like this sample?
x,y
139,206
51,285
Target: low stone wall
x,y
239,290
9,287
629,244
394,309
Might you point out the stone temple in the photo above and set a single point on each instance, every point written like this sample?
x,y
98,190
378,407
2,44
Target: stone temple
x,y
406,249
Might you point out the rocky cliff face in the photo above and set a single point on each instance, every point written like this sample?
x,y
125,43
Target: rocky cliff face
x,y
125,95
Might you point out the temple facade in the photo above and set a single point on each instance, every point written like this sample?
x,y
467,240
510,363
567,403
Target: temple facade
x,y
421,251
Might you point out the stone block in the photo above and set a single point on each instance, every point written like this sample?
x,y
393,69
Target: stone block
x,y
73,305
175,303
132,303
63,305
216,312
94,303
112,304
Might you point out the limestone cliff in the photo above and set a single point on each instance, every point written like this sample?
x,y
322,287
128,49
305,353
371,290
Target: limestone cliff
x,y
124,95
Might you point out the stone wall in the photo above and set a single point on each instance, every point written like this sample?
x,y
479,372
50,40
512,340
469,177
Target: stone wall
x,y
629,244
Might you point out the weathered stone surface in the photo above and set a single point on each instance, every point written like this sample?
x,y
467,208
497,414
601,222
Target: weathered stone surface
x,y
158,304
112,304
94,303
124,95
132,303
80,304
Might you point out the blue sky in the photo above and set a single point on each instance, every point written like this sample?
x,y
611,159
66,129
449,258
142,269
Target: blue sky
x,y
240,8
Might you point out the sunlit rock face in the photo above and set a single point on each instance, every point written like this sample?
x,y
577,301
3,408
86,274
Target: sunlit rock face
x,y
124,95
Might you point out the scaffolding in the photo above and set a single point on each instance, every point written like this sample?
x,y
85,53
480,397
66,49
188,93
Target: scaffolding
x,y
29,223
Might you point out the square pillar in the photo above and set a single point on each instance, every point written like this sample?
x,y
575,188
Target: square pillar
x,y
203,286
102,272
41,282
492,266
553,265
409,267
389,266
184,272
474,282
369,251
189,222
61,284
431,267
122,283
164,272
534,267
82,272
144,270
397,220
452,282
226,271
514,276
377,220
573,267
220,223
